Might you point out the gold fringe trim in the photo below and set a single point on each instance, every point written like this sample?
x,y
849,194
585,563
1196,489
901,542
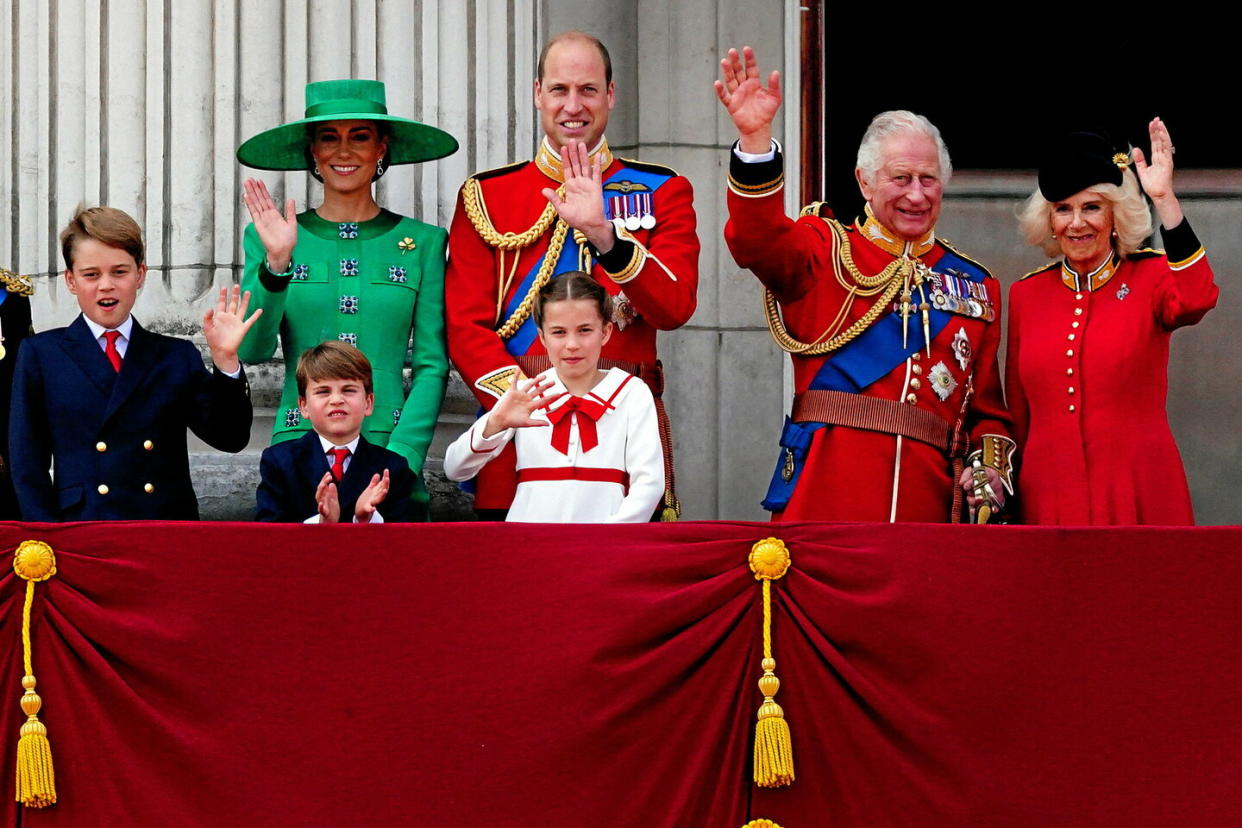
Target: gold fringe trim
x,y
769,559
33,561
761,823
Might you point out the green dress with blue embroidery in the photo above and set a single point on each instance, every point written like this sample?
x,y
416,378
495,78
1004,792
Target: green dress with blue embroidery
x,y
374,284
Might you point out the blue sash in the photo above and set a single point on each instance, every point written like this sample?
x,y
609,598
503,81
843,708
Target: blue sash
x,y
878,351
864,360
521,340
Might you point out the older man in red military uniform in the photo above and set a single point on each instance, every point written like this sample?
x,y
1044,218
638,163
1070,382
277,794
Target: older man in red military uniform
x,y
574,207
893,334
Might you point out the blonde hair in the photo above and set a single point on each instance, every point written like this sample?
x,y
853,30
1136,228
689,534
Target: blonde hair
x,y
1131,218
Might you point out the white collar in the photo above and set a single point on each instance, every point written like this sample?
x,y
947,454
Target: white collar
x,y
603,391
97,330
327,445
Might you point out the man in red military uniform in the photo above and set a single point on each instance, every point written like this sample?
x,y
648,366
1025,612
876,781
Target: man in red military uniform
x,y
892,333
574,207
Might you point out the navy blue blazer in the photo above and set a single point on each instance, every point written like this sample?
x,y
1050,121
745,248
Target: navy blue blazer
x,y
290,471
118,439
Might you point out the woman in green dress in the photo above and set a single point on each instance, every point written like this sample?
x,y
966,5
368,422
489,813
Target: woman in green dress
x,y
350,270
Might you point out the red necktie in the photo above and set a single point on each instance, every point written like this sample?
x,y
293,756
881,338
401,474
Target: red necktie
x,y
110,351
590,411
338,462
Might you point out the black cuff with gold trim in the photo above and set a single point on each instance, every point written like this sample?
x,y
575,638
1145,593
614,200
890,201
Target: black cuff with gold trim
x,y
1180,243
617,259
756,178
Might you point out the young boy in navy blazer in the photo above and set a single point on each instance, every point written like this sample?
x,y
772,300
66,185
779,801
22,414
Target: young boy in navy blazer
x,y
332,473
106,403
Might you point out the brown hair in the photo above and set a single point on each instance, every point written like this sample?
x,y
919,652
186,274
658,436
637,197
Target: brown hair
x,y
108,225
576,35
333,360
573,284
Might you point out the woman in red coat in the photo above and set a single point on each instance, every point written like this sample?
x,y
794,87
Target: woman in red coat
x,y
1087,367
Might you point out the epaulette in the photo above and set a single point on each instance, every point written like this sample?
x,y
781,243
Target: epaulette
x,y
1146,253
960,254
1039,270
505,170
16,283
658,169
816,208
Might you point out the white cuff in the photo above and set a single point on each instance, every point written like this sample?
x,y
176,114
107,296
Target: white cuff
x,y
755,157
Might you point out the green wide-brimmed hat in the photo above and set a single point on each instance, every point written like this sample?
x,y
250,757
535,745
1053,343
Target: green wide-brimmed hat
x,y
284,147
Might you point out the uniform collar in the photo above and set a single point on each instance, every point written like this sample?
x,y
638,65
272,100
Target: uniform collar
x,y
888,241
1094,280
549,160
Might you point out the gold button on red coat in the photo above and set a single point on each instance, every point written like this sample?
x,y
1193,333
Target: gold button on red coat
x,y
910,398
1071,408
1070,352
915,384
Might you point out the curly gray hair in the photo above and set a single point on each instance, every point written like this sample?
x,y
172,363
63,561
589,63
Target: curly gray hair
x,y
895,122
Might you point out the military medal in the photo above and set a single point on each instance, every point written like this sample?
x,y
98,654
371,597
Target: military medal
x,y
961,348
623,312
1122,293
616,206
648,219
632,221
941,379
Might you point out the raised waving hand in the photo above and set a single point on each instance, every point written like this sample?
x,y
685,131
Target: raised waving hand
x,y
751,105
277,231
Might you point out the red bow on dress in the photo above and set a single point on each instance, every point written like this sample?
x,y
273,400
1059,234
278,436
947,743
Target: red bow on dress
x,y
591,410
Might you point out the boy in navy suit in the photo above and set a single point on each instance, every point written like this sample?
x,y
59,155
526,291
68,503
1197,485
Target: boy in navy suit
x,y
332,472
106,403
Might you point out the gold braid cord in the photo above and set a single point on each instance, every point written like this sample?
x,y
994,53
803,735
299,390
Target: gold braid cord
x,y
769,559
33,561
476,211
888,283
16,283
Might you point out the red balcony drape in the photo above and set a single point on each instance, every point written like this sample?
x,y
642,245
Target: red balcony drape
x,y
507,675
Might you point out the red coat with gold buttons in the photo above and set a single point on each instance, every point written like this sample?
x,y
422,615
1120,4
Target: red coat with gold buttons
x,y
1087,378
652,274
850,473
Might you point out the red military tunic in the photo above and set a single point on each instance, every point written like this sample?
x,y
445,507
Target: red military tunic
x,y
854,473
652,273
1087,380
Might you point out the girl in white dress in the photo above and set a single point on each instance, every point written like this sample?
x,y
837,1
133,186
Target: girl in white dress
x,y
588,446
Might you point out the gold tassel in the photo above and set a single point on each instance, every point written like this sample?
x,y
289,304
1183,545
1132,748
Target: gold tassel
x,y
36,782
761,823
769,560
